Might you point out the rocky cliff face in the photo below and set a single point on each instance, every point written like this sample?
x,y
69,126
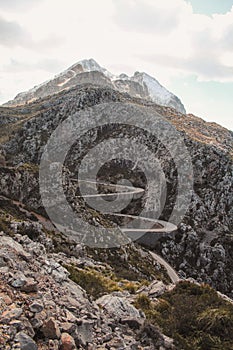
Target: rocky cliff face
x,y
89,71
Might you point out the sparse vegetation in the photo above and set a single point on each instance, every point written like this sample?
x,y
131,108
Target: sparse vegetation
x,y
61,243
128,264
29,167
92,281
5,226
143,302
195,316
9,209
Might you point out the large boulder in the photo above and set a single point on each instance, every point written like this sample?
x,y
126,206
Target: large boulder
x,y
118,307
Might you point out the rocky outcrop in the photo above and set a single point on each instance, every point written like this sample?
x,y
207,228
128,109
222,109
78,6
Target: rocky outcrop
x,y
21,185
118,307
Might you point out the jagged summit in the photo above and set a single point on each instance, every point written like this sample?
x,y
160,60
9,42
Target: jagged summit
x,y
88,64
139,85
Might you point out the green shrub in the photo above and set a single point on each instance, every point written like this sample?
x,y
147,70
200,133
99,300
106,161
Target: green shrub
x,y
143,302
92,281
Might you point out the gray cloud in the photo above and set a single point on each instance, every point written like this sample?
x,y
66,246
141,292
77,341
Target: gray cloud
x,y
227,42
139,16
203,64
206,59
204,41
18,5
12,34
48,65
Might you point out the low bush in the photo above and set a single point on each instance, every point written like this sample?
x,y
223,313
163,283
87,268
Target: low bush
x,y
196,317
94,283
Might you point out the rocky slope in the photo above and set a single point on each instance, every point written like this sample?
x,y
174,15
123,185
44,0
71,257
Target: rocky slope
x,y
42,305
89,71
56,294
203,247
47,296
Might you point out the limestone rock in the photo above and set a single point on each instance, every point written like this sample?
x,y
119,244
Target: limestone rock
x,y
118,307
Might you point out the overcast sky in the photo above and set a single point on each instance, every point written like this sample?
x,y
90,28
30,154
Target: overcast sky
x,y
186,45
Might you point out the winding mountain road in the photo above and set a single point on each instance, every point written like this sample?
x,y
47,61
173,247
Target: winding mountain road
x,y
162,226
170,271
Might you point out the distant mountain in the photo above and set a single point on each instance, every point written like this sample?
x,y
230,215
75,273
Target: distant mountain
x,y
139,85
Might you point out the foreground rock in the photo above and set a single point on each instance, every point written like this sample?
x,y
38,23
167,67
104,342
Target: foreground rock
x,y
118,307
44,310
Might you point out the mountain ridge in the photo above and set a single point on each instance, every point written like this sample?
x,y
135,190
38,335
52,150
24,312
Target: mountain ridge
x,y
140,85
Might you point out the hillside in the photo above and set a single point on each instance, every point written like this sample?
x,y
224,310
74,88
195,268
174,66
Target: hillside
x,y
57,293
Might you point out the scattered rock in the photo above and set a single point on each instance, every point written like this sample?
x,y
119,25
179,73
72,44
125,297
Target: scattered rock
x,y
2,160
25,284
85,332
36,307
30,286
50,329
134,323
68,327
26,342
18,283
155,289
67,342
7,316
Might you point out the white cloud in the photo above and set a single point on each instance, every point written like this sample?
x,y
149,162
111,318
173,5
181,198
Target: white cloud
x,y
136,16
136,33
197,44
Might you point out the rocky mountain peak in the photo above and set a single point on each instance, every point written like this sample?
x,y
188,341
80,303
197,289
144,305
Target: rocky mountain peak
x,y
86,65
89,64
123,76
140,85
